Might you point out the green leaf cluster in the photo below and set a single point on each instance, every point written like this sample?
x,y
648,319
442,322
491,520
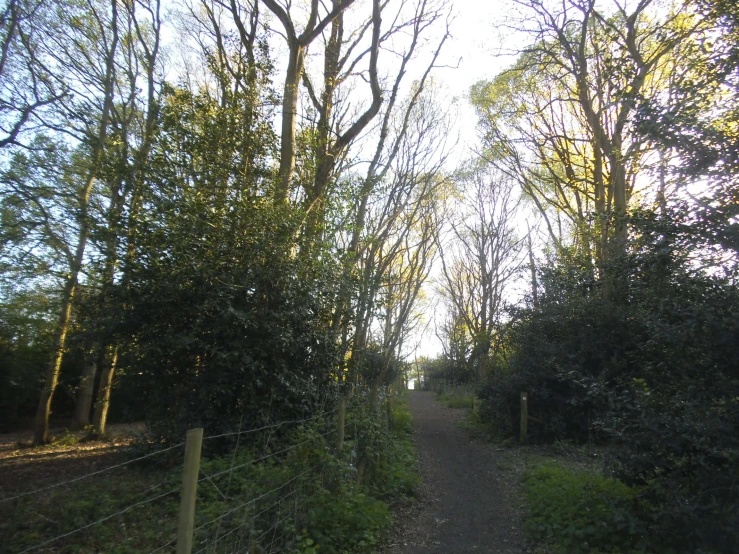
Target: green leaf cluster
x,y
580,512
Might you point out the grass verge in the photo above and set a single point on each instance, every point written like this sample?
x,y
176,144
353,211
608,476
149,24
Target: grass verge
x,y
476,426
454,399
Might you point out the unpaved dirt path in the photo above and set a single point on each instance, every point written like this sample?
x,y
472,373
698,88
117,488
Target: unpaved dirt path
x,y
469,498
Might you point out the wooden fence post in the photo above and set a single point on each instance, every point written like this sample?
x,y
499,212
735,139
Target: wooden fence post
x,y
193,446
524,416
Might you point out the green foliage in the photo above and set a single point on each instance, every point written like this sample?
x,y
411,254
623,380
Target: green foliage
x,y
348,521
306,495
476,425
401,420
643,359
372,362
394,474
25,347
457,370
225,319
386,447
351,518
32,520
580,512
702,127
455,399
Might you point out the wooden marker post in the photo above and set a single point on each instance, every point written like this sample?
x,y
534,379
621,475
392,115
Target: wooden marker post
x,y
193,446
524,416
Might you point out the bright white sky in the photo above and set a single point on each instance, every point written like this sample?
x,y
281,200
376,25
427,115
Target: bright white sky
x,y
480,44
480,48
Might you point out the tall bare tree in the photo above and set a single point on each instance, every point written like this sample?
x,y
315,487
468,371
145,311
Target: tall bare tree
x,y
76,33
133,120
562,120
482,258
297,43
26,87
394,253
397,122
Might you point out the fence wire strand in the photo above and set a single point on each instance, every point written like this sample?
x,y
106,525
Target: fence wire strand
x,y
86,476
271,426
99,521
257,499
293,447
230,471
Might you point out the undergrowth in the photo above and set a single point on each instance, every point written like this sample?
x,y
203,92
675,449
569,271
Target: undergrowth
x,y
477,426
457,399
580,511
311,500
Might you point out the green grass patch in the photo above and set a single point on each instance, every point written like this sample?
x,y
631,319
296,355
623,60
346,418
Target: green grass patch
x,y
457,400
581,512
346,522
473,423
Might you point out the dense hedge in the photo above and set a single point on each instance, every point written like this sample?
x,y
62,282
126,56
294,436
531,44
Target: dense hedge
x,y
647,364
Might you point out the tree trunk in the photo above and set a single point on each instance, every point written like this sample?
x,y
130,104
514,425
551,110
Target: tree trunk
x,y
41,431
51,379
85,391
103,400
532,268
618,172
325,155
661,190
341,423
295,64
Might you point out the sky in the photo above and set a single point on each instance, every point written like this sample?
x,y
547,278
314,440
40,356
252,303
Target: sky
x,y
478,49
478,43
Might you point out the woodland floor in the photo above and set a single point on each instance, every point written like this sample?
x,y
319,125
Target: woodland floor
x,y
470,499
471,496
66,457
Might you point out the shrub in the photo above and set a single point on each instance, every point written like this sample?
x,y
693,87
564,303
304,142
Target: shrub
x,y
577,512
348,521
401,421
394,473
642,359
457,400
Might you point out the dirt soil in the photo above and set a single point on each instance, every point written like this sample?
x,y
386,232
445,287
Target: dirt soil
x,y
66,457
471,494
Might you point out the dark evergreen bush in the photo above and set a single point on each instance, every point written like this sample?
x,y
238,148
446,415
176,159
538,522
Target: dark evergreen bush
x,y
645,360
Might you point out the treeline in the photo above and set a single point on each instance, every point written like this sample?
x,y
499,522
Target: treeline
x,y
213,210
618,131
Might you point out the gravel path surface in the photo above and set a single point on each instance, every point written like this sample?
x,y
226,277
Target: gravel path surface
x,y
467,502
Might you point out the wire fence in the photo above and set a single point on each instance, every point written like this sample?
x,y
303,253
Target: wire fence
x,y
91,474
254,498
